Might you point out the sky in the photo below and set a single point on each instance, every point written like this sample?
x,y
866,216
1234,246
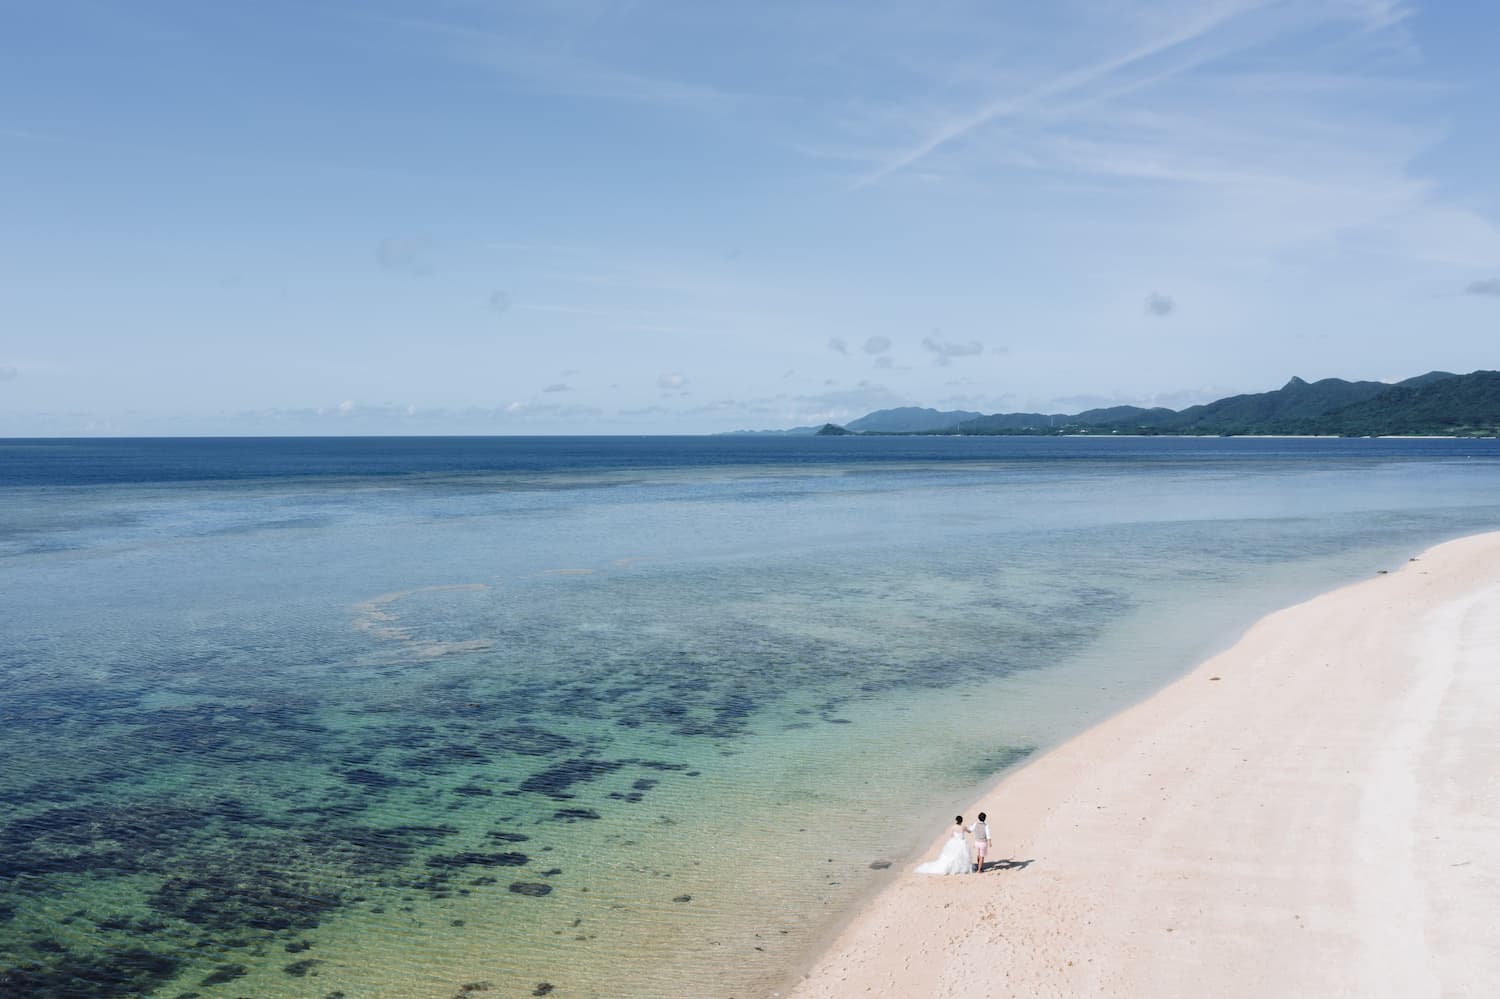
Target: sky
x,y
678,216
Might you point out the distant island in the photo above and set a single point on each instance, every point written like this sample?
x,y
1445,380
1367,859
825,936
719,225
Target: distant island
x,y
1438,403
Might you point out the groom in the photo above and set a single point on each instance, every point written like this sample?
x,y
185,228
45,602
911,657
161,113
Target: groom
x,y
981,833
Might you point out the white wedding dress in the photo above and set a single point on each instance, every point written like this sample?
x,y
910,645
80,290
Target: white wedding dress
x,y
953,860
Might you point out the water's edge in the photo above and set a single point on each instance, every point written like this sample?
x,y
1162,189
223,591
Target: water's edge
x,y
921,839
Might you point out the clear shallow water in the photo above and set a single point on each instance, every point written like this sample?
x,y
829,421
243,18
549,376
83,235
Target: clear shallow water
x,y
620,716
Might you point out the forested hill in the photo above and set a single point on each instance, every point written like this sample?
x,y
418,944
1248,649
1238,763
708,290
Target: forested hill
x,y
909,419
1437,403
1467,405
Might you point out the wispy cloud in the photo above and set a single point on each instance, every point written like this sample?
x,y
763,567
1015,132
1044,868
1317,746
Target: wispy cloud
x,y
1489,286
1254,122
1191,24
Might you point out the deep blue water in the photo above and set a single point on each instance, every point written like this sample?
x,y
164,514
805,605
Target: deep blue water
x,y
103,461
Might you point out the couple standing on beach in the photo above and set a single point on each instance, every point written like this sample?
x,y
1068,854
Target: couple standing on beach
x,y
955,856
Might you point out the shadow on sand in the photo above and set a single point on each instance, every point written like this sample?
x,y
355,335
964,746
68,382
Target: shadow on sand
x,y
1006,865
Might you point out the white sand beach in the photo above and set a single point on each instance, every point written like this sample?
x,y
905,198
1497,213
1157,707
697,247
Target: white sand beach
x,y
1313,813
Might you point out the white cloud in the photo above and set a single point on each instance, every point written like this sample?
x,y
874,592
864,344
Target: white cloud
x,y
346,407
671,380
838,345
558,387
1488,286
877,345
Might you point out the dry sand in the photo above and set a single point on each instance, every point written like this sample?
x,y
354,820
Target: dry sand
x,y
1313,813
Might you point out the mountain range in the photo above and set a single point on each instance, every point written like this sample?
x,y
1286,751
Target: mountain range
x,y
1437,403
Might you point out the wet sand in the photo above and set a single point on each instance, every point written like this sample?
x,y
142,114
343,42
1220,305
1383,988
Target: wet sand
x,y
1313,813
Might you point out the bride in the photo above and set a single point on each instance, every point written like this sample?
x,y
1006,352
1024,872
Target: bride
x,y
955,856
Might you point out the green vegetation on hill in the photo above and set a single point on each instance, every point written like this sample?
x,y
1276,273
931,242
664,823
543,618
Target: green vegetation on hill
x,y
1466,405
909,420
1437,403
1015,423
1296,400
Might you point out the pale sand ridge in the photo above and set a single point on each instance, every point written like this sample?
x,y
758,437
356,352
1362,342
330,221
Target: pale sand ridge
x,y
1321,820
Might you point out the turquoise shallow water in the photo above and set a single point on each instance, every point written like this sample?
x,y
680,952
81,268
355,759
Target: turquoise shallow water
x,y
590,718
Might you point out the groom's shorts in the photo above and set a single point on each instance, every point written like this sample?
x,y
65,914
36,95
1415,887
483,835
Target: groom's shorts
x,y
981,847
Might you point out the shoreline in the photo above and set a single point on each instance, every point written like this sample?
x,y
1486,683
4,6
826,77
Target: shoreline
x,y
1269,802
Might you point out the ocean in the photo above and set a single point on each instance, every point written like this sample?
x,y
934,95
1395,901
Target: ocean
x,y
391,717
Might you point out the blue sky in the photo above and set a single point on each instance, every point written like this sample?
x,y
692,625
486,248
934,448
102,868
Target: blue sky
x,y
625,216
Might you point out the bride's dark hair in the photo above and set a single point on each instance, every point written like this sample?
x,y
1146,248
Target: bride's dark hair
x,y
958,820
